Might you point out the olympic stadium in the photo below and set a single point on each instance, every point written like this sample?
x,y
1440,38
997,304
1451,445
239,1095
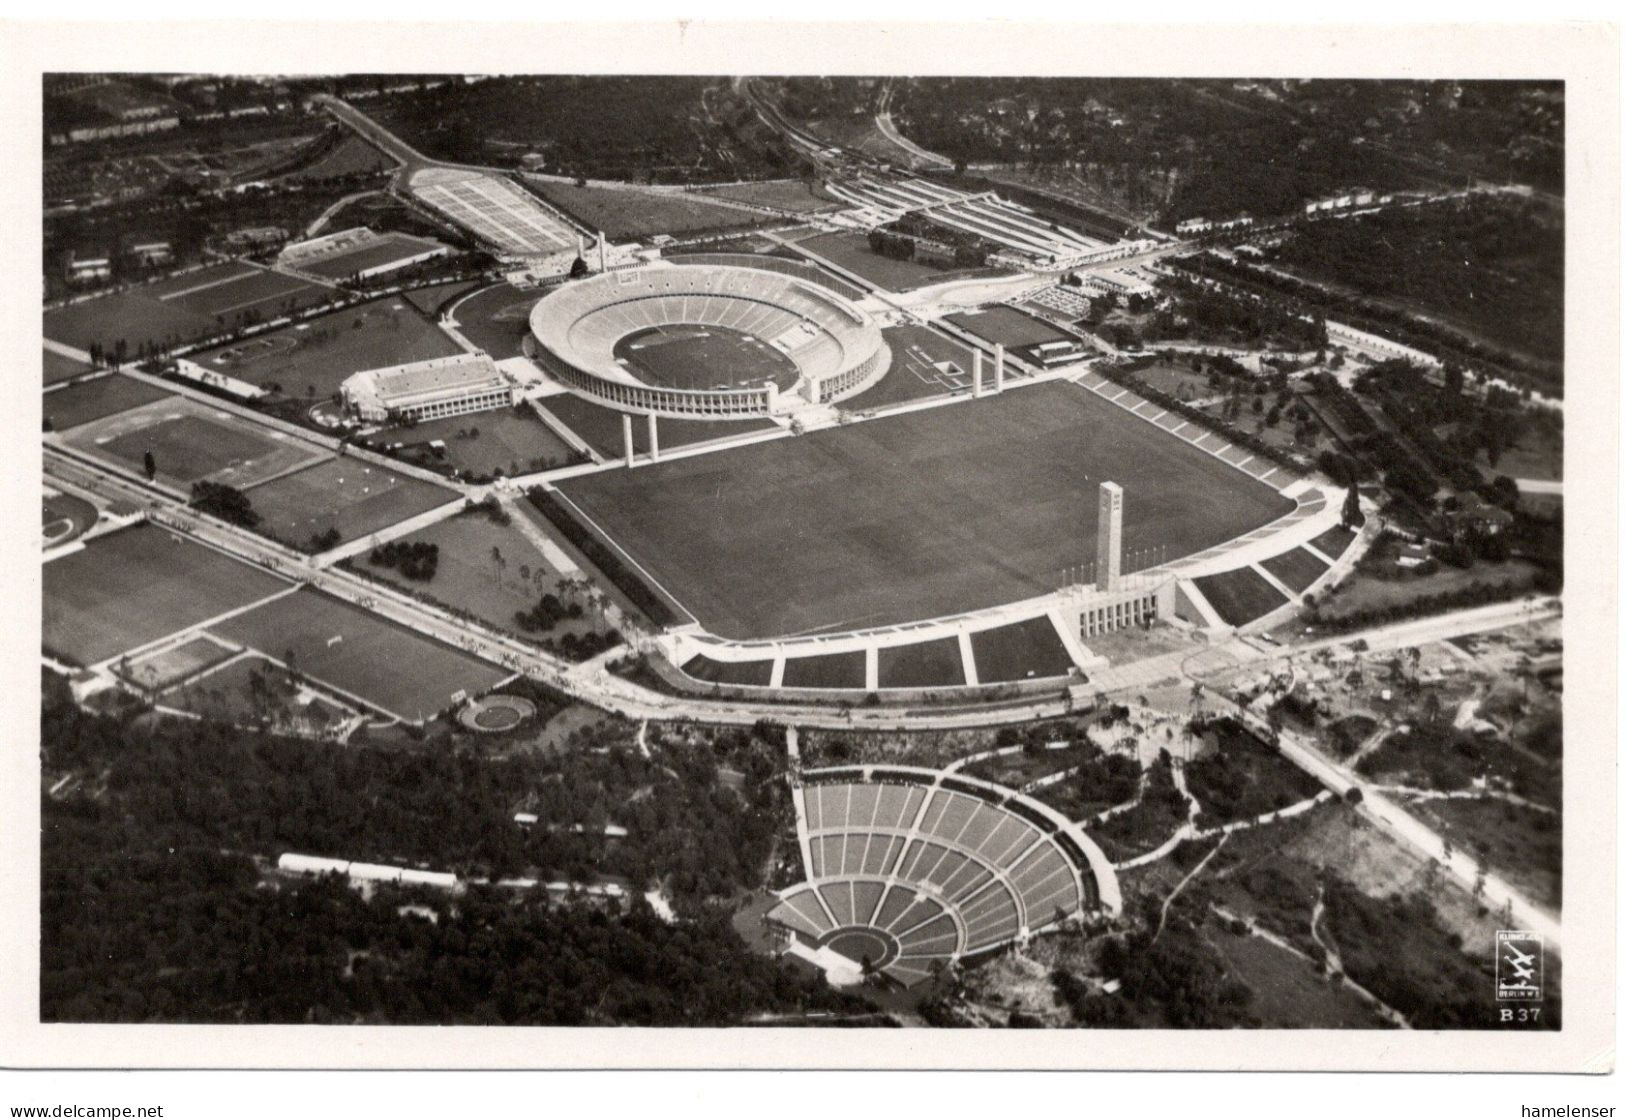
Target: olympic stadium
x,y
706,341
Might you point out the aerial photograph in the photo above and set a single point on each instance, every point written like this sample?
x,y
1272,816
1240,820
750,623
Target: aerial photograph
x,y
588,550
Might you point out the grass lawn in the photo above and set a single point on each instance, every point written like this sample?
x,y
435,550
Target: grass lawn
x,y
59,367
1363,591
135,315
1240,595
599,426
1335,540
1011,327
94,399
703,668
467,577
332,642
1175,380
829,670
313,358
132,587
1021,651
923,364
935,664
497,319
190,440
354,497
1287,991
851,251
436,297
784,194
1297,569
631,212
913,516
508,442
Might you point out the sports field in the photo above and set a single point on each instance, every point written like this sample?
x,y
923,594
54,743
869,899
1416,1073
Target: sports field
x,y
388,249
132,587
923,364
913,516
190,440
312,359
1009,326
354,497
334,643
159,671
96,398
623,212
497,320
600,426
696,357
188,306
59,367
509,441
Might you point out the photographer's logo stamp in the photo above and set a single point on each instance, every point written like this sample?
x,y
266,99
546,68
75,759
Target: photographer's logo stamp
x,y
1518,965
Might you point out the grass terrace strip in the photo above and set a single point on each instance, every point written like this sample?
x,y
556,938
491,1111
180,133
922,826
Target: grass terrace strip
x,y
644,597
1240,595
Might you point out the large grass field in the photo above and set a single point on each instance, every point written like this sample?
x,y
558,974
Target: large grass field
x,y
189,306
334,643
599,426
96,398
467,576
497,320
914,516
354,497
510,441
313,358
132,587
190,440
851,251
631,212
783,194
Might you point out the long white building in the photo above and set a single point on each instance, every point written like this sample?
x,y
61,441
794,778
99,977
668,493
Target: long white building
x,y
429,390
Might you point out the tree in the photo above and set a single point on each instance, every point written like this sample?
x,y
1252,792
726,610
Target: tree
x,y
150,465
498,561
1352,517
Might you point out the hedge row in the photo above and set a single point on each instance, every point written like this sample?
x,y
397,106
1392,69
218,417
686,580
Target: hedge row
x,y
602,557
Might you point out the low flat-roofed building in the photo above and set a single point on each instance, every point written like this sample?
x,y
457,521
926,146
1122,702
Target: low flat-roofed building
x,y
429,390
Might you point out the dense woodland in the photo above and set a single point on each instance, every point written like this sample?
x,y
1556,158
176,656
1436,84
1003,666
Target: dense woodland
x,y
173,823
1493,267
646,128
1181,149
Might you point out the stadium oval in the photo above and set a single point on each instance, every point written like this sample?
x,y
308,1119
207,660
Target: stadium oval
x,y
783,342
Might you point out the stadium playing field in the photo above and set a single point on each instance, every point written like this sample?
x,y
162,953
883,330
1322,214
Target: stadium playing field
x,y
687,356
190,440
346,494
383,251
312,359
132,587
913,516
64,517
96,398
340,645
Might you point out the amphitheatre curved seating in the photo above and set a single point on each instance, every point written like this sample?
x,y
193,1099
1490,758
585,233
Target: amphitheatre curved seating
x,y
913,873
836,349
